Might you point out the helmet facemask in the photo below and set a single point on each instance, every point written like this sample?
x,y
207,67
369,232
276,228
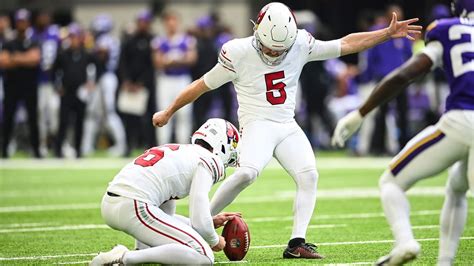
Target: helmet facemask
x,y
269,60
275,30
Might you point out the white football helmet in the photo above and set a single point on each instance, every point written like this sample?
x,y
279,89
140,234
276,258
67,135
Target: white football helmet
x,y
275,29
222,137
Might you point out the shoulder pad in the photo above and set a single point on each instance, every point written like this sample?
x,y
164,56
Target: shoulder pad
x,y
231,52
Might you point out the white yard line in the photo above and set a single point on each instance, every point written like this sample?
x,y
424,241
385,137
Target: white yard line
x,y
252,247
103,226
288,195
45,257
56,228
349,263
87,262
318,217
433,226
357,242
73,262
23,225
117,163
231,262
321,226
343,193
55,207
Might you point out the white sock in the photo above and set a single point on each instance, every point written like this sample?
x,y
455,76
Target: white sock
x,y
397,211
166,254
453,215
305,200
231,187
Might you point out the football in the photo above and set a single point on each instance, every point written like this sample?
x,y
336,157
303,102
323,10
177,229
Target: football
x,y
237,237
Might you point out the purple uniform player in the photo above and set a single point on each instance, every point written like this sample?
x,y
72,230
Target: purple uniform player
x,y
48,38
450,45
102,103
452,40
174,54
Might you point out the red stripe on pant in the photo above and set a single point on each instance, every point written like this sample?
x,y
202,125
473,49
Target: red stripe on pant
x,y
176,228
155,230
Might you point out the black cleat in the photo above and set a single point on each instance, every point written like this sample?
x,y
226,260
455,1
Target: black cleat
x,y
302,251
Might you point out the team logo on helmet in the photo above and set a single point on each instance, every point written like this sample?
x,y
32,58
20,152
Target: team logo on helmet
x,y
232,135
261,14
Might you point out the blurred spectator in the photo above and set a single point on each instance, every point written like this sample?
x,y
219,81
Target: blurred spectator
x,y
74,67
210,38
381,60
346,92
174,54
225,95
47,36
20,58
4,35
440,90
440,11
102,105
315,86
137,74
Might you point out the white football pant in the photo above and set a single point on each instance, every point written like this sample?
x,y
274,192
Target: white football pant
x,y
167,89
260,141
102,104
430,152
165,239
48,113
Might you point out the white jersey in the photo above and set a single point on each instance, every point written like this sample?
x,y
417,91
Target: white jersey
x,y
165,172
267,92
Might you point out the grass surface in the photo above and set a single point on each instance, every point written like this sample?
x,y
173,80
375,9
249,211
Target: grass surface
x,y
49,213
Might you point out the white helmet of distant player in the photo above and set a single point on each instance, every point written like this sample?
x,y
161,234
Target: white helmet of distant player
x,y
275,29
222,137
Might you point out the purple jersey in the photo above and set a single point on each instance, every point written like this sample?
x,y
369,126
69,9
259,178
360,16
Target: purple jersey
x,y
175,48
112,45
456,36
48,40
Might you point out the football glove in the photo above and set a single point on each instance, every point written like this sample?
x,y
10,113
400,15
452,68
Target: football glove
x,y
345,127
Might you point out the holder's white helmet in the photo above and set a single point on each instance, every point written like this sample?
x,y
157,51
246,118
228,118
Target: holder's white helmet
x,y
275,29
222,138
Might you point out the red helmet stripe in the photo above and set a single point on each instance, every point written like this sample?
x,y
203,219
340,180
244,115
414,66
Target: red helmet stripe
x,y
199,133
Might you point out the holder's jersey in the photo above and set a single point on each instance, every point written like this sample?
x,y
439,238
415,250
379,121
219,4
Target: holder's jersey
x,y
453,40
269,92
165,172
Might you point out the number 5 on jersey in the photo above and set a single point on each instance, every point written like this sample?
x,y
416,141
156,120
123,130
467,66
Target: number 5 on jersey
x,y
276,93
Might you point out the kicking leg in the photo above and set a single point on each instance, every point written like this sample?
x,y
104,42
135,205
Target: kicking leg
x,y
454,213
256,149
231,187
427,154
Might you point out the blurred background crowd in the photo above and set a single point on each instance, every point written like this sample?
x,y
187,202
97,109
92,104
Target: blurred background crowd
x,y
81,77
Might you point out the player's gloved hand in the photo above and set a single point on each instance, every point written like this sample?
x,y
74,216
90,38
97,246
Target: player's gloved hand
x,y
221,218
161,118
345,127
220,246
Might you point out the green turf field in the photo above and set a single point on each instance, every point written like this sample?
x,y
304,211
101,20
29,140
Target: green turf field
x,y
49,213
